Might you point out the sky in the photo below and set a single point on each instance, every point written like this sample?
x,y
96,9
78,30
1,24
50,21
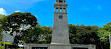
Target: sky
x,y
87,12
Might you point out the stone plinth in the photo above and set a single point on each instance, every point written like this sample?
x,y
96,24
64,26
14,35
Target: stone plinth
x,y
60,46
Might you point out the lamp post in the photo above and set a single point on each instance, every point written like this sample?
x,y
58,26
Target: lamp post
x,y
110,40
4,42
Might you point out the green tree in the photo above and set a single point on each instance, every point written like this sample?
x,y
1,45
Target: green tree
x,y
103,33
2,18
107,27
18,23
84,34
32,36
104,38
40,35
45,37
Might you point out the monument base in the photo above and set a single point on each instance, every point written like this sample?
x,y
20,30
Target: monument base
x,y
59,46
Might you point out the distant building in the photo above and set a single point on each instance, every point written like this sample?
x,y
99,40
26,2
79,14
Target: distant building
x,y
7,37
10,38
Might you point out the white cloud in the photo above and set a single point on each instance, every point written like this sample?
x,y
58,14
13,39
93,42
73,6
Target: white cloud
x,y
2,11
17,11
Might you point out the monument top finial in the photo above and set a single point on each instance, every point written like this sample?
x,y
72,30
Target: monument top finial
x,y
61,1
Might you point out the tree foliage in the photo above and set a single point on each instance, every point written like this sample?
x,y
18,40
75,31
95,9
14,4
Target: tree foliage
x,y
15,21
85,35
45,37
2,18
32,35
103,33
41,35
18,23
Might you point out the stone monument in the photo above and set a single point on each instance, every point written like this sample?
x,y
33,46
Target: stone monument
x,y
60,34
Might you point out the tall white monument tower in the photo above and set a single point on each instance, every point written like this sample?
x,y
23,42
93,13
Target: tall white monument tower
x,y
60,34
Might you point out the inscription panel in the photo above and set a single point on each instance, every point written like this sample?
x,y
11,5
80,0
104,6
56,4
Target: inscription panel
x,y
79,48
39,47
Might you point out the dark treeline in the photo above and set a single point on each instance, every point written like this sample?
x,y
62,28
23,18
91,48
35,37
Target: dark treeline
x,y
89,35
